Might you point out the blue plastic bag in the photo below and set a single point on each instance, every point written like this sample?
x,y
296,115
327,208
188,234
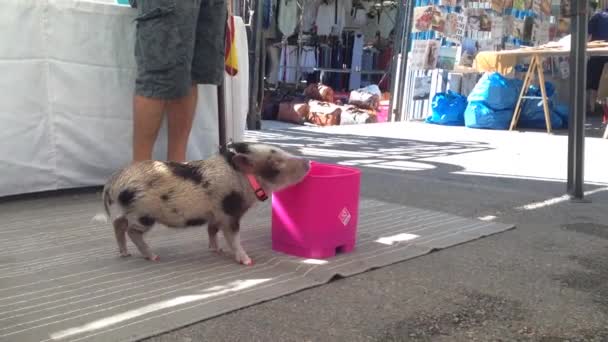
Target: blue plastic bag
x,y
533,116
496,91
532,112
563,111
448,109
478,115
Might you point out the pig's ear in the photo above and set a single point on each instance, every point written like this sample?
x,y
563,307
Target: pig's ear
x,y
243,163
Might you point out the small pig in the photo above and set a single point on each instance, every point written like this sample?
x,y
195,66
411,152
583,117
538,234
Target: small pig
x,y
215,192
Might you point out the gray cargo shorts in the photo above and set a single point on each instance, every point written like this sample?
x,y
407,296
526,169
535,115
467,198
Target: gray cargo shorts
x,y
178,43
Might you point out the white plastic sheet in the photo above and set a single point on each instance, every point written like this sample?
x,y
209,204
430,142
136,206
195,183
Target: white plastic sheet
x,y
66,96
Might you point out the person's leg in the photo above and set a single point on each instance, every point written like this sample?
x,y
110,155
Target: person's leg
x,y
180,111
208,62
179,122
147,119
163,73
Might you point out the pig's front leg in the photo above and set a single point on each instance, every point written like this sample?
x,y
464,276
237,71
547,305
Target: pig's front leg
x,y
232,235
137,236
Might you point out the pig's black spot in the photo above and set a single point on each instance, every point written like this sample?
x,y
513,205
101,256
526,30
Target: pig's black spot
x,y
234,204
196,222
126,197
166,196
186,171
241,148
175,211
273,151
146,221
269,171
206,184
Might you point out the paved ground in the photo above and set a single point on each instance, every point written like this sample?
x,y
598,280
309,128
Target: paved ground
x,y
547,280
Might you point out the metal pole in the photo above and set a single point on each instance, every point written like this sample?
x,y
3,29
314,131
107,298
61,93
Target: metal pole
x,y
221,114
407,29
395,58
253,117
576,129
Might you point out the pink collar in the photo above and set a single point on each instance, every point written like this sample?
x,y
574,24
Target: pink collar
x,y
257,189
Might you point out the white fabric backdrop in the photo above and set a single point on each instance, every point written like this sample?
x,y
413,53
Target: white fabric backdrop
x,y
66,89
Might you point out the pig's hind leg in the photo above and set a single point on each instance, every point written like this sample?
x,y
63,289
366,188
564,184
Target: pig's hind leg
x,y
136,233
212,229
121,224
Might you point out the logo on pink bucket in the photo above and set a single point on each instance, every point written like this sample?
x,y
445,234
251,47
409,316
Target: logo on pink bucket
x,y
344,216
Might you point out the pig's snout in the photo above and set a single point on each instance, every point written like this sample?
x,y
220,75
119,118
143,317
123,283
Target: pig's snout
x,y
306,165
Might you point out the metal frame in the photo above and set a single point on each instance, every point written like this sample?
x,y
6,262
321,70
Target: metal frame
x,y
405,14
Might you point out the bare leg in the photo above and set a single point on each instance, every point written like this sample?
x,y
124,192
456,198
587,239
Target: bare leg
x,y
179,120
120,229
147,119
137,236
232,235
212,230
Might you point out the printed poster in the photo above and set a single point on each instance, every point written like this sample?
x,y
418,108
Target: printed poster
x,y
433,55
498,5
497,30
422,87
545,7
450,3
565,8
417,57
428,18
423,19
478,20
447,57
424,55
455,25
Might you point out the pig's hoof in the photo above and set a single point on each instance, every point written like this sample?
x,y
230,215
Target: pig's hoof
x,y
244,260
154,258
125,254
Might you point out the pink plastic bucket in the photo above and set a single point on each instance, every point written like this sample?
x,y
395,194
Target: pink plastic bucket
x,y
382,113
317,218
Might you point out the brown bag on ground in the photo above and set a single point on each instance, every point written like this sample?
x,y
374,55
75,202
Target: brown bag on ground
x,y
323,113
352,115
293,112
364,99
319,92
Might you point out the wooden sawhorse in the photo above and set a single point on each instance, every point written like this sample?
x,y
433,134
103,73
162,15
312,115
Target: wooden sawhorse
x,y
535,66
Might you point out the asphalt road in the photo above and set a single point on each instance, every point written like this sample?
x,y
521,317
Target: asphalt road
x,y
547,280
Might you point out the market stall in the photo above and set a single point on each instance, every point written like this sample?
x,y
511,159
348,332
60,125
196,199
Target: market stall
x,y
329,61
66,96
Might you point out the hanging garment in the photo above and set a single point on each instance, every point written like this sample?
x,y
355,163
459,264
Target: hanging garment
x,y
236,87
331,18
231,63
267,14
309,14
272,72
308,59
288,17
356,64
359,17
289,60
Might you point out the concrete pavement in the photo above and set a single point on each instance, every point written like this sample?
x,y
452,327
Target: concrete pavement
x,y
547,280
